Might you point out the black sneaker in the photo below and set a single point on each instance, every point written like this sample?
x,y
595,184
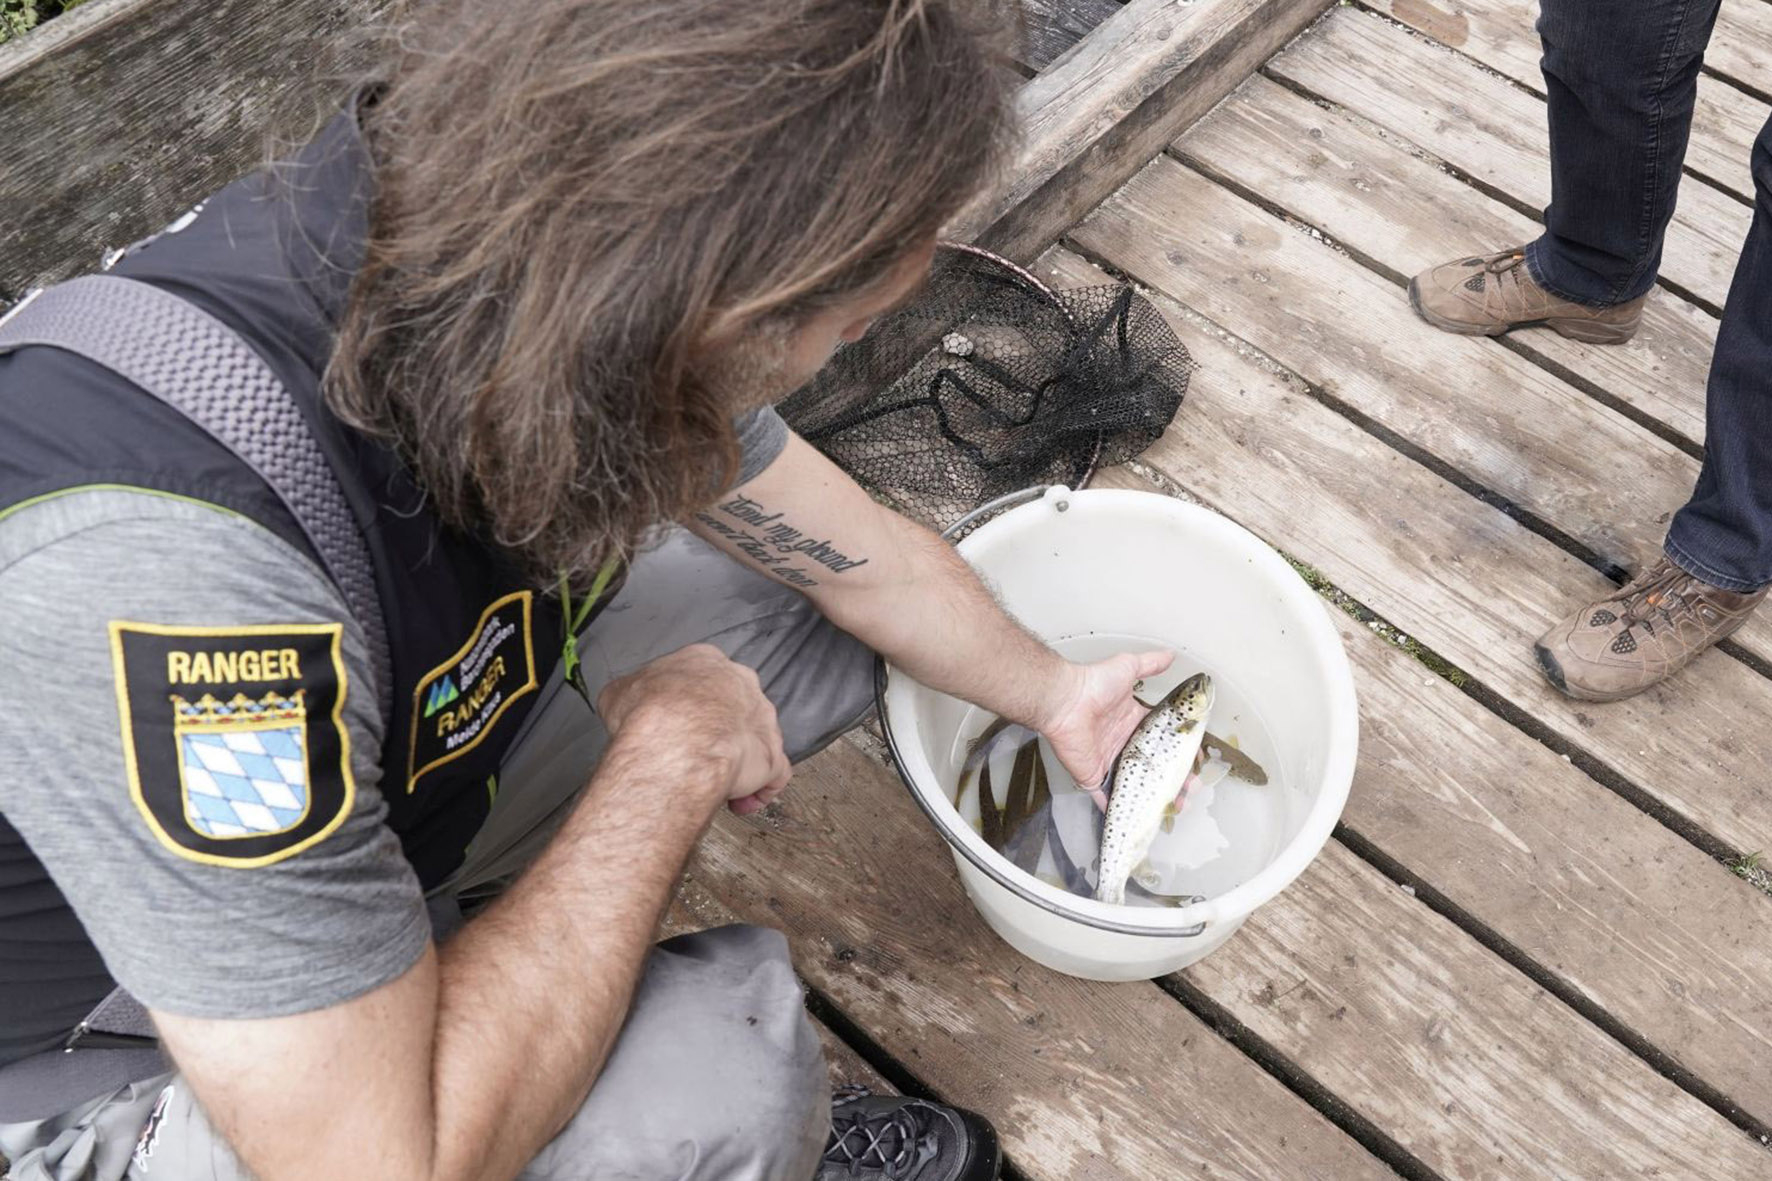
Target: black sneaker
x,y
903,1139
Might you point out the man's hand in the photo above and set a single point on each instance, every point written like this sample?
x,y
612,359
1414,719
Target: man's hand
x,y
1093,712
698,698
469,1063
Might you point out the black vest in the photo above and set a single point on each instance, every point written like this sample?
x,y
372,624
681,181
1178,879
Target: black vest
x,y
271,256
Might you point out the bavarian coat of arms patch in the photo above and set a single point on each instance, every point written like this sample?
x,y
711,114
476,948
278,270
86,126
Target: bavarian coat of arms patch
x,y
234,739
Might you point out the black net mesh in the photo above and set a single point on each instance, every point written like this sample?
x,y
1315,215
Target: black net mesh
x,y
989,382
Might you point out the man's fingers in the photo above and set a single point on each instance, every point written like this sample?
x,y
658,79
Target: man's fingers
x,y
1149,664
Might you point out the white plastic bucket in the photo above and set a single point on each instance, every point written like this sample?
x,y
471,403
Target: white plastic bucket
x,y
1140,564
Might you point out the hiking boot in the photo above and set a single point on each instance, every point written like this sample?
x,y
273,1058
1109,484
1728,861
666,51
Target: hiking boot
x,y
1497,293
1641,634
888,1136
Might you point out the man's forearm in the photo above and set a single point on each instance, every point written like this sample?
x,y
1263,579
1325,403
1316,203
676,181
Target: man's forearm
x,y
533,992
940,623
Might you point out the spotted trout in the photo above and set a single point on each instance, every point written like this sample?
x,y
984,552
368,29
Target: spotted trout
x,y
1148,777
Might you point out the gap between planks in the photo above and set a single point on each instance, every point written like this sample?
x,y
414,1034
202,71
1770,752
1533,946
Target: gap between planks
x,y
1490,130
1083,1080
1689,742
191,104
1501,36
1462,1061
1397,214
1530,847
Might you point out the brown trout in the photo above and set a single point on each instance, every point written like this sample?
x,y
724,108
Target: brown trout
x,y
1148,777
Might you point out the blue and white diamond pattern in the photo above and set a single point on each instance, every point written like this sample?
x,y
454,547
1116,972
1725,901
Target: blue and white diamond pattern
x,y
242,783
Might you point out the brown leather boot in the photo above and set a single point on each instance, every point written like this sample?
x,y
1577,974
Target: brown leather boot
x,y
1641,634
1496,293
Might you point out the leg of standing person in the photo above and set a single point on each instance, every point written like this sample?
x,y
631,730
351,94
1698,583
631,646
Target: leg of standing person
x,y
1621,78
1621,107
1724,533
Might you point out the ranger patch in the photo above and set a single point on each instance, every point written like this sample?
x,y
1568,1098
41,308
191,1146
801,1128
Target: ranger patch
x,y
234,738
456,704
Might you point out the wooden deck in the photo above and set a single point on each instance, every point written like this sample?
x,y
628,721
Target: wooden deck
x,y
1524,954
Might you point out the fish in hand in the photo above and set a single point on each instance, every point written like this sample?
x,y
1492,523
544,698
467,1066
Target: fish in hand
x,y
1147,779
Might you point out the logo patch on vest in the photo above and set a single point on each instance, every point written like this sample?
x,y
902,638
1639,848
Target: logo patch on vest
x,y
456,704
234,738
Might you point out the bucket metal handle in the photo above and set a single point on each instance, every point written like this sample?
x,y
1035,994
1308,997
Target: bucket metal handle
x,y
984,865
992,507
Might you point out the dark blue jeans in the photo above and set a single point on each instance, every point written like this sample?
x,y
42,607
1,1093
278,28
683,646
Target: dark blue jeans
x,y
1622,76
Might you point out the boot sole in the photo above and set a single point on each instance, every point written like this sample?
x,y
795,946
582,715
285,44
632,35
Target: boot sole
x,y
1586,331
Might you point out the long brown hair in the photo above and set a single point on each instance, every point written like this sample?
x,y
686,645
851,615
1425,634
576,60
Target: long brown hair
x,y
573,196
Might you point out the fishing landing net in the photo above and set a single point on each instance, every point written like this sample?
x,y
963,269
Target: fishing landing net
x,y
989,382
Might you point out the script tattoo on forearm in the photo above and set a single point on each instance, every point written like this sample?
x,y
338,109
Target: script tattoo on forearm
x,y
775,545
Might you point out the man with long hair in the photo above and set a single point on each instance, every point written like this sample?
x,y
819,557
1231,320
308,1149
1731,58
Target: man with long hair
x,y
528,299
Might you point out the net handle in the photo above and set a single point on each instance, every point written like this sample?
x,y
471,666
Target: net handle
x,y
1019,271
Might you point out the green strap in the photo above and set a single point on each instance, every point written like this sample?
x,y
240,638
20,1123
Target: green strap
x,y
570,666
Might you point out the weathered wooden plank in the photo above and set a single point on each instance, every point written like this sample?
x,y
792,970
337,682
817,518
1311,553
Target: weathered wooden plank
x,y
1491,414
1501,35
1473,585
695,908
1489,129
1403,214
1097,114
1545,447
1083,1080
140,107
1466,1063
123,113
1445,1048
1643,924
1049,28
1741,45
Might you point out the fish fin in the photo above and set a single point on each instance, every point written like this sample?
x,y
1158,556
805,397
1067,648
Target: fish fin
x,y
1176,900
1146,875
1168,822
1240,765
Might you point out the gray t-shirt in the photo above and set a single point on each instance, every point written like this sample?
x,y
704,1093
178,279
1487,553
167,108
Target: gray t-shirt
x,y
335,920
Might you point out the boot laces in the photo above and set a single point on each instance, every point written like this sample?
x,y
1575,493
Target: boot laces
x,y
1507,260
893,1143
1666,594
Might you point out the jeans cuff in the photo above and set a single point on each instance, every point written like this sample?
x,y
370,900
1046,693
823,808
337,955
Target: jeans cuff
x,y
1691,565
1535,267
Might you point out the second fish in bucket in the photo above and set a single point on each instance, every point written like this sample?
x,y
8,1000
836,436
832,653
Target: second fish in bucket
x,y
1170,756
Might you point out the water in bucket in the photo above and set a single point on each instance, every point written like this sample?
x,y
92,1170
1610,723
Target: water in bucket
x,y
1226,830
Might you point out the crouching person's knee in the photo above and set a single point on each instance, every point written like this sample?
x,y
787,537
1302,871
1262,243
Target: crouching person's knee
x,y
717,1073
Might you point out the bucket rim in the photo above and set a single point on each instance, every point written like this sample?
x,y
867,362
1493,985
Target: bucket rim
x,y
1338,766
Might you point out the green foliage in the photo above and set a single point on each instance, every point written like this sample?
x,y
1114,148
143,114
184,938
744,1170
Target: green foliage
x,y
18,17
1752,869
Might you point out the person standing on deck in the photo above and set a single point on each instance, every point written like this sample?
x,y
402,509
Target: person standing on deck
x,y
531,295
1622,76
